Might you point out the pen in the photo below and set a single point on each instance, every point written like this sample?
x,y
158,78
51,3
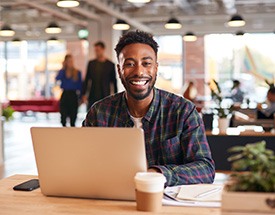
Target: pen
x,y
208,192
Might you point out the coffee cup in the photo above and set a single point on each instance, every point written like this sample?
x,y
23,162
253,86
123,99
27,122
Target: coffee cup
x,y
149,191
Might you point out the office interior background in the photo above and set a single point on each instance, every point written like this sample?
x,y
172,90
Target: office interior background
x,y
200,44
30,60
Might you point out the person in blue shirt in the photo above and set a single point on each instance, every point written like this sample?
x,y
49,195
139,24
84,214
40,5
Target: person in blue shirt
x,y
71,83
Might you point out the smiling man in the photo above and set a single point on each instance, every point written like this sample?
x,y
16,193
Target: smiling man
x,y
175,139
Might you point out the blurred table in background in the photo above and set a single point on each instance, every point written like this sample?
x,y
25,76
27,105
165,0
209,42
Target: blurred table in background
x,y
220,143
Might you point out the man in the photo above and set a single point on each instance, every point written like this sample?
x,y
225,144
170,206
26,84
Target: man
x,y
100,77
268,112
237,94
175,139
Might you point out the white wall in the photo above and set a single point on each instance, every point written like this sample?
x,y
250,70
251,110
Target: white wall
x,y
103,31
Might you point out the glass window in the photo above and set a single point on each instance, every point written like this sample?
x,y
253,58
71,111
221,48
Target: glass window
x,y
31,68
249,59
170,70
2,71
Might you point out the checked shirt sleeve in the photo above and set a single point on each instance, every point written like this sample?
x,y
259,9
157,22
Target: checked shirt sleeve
x,y
91,118
197,164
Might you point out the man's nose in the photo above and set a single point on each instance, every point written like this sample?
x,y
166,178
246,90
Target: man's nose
x,y
139,70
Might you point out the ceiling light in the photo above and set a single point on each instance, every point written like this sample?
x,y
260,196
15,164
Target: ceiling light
x,y
53,28
67,3
173,24
16,40
139,1
53,40
121,25
6,31
236,21
189,37
240,33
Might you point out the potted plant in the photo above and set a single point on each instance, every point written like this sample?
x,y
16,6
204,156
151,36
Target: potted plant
x,y
251,188
7,113
222,110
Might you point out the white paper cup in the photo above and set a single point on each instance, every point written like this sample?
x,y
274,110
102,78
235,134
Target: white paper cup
x,y
149,191
150,182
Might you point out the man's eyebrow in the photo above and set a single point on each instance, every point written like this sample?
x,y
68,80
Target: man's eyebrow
x,y
144,58
147,58
130,59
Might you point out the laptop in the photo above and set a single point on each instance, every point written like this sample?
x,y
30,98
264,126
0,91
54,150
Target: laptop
x,y
89,162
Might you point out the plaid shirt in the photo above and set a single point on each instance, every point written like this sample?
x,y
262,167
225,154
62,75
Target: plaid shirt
x,y
174,135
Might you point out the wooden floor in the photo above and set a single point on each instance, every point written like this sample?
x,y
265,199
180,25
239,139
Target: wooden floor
x,y
18,152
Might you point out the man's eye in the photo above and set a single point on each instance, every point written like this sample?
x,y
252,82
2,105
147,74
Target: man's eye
x,y
147,64
129,64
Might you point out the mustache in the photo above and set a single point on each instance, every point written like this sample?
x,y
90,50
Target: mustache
x,y
139,77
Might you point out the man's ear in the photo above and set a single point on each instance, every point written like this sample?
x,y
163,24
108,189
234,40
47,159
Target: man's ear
x,y
118,70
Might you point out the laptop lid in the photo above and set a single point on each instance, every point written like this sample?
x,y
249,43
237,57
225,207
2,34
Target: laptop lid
x,y
89,162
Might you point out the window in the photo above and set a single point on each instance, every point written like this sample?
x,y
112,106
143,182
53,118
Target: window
x,y
31,68
249,58
170,71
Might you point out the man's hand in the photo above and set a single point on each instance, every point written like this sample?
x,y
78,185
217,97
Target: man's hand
x,y
84,99
259,106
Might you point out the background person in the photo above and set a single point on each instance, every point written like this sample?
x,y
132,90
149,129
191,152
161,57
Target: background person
x,y
100,77
175,139
267,113
237,94
71,83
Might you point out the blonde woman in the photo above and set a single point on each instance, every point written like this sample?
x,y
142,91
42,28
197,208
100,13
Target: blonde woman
x,y
71,83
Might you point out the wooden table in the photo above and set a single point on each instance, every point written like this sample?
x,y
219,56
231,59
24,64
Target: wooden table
x,y
34,202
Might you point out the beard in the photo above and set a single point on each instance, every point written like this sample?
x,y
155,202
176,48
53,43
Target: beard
x,y
139,94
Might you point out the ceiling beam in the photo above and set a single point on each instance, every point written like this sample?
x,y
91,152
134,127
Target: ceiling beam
x,y
86,13
213,29
218,17
54,12
185,6
100,5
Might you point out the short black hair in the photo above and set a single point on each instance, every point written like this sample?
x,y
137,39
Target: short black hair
x,y
137,36
236,82
271,90
100,43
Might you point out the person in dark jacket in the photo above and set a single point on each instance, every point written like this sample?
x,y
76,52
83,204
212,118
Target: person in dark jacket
x,y
100,78
71,83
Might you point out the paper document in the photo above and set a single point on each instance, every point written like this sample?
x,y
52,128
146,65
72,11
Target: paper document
x,y
200,195
201,192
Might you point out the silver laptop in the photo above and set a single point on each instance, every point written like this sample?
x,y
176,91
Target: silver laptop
x,y
89,162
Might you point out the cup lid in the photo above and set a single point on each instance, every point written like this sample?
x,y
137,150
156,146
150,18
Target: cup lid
x,y
150,177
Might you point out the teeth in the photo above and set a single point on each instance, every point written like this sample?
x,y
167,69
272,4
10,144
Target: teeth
x,y
138,82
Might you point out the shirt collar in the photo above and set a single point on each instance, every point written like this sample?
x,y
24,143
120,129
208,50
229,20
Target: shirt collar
x,y
153,107
125,115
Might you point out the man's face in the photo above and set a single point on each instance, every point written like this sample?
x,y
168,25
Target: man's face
x,y
271,97
99,51
137,70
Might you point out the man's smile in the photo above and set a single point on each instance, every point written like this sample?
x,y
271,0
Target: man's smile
x,y
139,82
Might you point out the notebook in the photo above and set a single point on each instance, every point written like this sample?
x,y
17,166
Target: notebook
x,y
200,192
